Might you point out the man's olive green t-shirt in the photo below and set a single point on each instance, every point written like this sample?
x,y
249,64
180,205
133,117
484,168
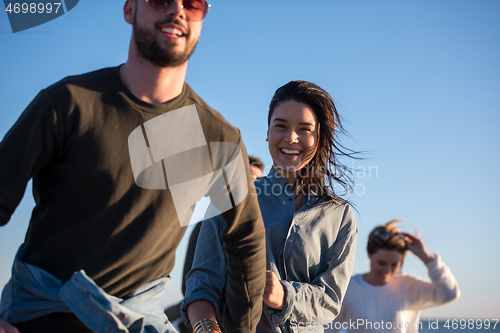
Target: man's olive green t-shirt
x,y
90,214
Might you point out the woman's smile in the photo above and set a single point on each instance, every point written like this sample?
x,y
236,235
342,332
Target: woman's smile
x,y
293,137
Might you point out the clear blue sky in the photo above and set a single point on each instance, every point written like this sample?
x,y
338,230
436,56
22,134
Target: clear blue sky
x,y
416,81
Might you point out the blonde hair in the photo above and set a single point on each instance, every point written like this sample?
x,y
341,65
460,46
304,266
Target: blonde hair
x,y
387,237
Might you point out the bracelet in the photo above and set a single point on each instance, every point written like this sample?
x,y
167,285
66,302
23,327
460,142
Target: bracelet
x,y
206,325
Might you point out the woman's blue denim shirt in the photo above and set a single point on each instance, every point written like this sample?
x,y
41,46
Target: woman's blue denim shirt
x,y
314,261
33,292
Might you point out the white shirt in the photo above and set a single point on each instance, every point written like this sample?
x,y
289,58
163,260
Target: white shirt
x,y
395,306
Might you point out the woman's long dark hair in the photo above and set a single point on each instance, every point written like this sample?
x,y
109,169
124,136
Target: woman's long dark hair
x,y
321,174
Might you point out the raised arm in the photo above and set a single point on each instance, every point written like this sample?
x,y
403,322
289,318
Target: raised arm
x,y
442,288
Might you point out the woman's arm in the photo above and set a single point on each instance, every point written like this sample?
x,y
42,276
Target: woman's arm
x,y
320,300
417,246
199,310
443,287
338,324
206,280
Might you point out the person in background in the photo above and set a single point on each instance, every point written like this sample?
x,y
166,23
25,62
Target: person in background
x,y
385,295
256,167
104,150
310,231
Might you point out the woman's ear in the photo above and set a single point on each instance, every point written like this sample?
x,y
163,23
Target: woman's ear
x,y
267,137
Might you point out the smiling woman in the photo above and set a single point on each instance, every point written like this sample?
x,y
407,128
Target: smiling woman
x,y
304,130
292,137
310,229
403,296
386,249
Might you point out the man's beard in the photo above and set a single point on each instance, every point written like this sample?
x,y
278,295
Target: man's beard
x,y
151,50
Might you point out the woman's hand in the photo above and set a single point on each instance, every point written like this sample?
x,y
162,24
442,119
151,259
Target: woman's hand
x,y
274,294
7,328
417,246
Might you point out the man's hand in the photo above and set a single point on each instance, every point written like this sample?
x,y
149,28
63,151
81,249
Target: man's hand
x,y
7,328
274,294
417,246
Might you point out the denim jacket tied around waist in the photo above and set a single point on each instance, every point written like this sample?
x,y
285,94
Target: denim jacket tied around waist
x,y
33,292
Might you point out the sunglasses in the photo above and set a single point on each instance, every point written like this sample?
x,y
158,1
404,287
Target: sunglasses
x,y
385,234
195,10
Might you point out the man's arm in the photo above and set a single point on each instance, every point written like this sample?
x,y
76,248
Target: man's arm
x,y
25,150
244,245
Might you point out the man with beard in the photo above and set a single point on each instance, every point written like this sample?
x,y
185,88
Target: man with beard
x,y
109,215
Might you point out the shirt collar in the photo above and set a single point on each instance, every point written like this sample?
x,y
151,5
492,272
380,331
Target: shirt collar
x,y
275,177
277,180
